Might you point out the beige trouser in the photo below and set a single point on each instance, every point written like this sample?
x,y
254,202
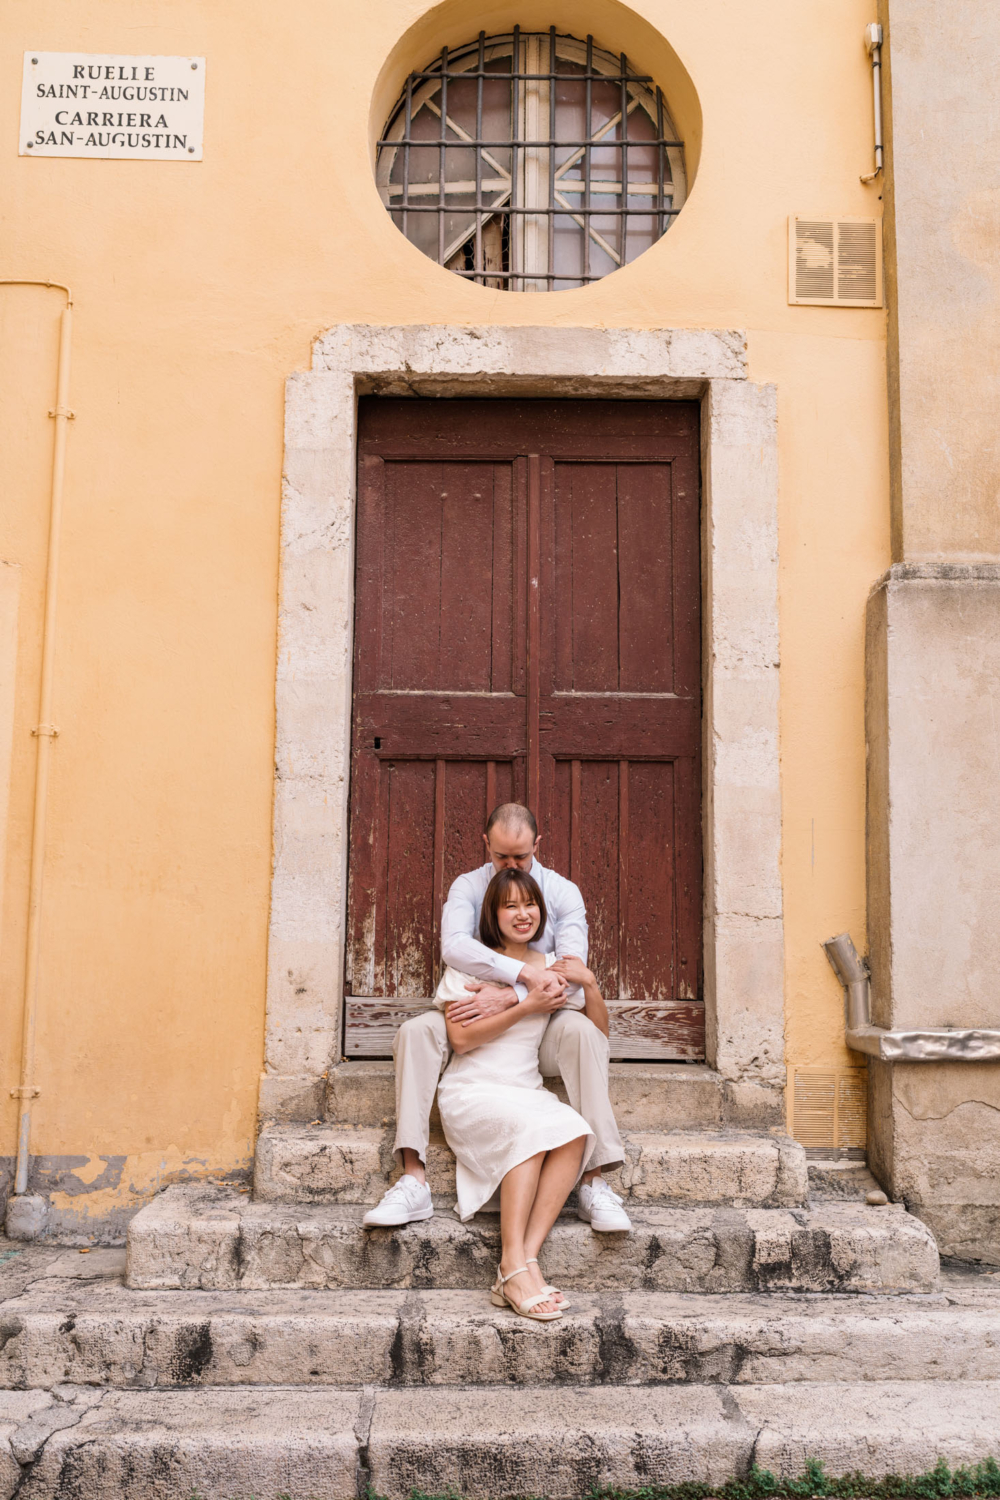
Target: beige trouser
x,y
572,1049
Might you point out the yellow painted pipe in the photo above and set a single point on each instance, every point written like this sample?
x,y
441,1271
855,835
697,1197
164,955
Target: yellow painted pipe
x,y
44,732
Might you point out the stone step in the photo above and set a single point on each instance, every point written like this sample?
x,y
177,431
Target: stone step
x,y
344,1164
105,1334
644,1096
485,1444
211,1237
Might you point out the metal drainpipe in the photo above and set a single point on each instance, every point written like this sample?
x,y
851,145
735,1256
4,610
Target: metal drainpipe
x,y
45,731
873,45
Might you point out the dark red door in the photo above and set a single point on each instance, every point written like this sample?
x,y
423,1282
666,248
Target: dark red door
x,y
527,625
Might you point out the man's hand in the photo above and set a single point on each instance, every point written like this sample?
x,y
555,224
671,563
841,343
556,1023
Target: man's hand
x,y
543,979
573,970
485,1000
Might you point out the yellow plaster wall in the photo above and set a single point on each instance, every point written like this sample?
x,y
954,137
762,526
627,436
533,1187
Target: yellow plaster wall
x,y
199,287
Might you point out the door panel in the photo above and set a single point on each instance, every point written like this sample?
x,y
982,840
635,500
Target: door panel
x,y
528,627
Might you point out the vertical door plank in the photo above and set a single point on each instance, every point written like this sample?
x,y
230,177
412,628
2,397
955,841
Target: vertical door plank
x,y
534,625
501,582
687,866
649,932
586,579
412,594
599,874
464,820
465,632
645,580
438,888
624,908
409,903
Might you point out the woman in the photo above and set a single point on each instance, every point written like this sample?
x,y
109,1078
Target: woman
x,y
505,1128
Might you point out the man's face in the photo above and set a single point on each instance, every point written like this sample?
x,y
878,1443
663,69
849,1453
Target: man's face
x,y
510,846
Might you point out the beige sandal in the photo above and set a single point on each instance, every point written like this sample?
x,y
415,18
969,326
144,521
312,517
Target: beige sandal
x,y
500,1298
564,1306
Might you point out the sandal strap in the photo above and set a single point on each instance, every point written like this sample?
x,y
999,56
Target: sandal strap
x,y
502,1280
530,1302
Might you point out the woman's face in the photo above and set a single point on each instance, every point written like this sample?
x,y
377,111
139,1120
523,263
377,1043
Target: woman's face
x,y
518,917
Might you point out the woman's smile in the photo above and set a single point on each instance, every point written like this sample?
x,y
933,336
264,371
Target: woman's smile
x,y
519,918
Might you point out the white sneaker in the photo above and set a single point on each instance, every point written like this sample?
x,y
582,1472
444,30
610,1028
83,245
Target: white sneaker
x,y
406,1201
601,1208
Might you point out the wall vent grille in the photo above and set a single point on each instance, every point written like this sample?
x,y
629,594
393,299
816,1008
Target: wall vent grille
x,y
835,262
826,1108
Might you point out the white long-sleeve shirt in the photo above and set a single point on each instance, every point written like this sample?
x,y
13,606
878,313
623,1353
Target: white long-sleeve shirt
x,y
565,931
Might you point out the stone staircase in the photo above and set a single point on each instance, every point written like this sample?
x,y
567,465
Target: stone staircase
x,y
269,1345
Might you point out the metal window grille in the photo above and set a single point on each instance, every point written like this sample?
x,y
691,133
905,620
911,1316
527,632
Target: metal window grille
x,y
531,161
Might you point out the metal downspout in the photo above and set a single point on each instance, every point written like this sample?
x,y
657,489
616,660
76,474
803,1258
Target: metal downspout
x,y
918,1044
44,732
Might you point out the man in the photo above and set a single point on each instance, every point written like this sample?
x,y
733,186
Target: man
x,y
572,1048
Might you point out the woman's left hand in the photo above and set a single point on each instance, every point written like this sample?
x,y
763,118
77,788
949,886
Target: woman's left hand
x,y
573,970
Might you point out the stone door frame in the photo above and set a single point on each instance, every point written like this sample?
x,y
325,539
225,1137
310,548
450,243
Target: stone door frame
x,y
743,924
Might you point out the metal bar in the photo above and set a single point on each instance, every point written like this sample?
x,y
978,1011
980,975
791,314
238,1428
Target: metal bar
x,y
531,77
478,252
604,188
503,208
623,152
573,277
660,148
505,145
441,155
534,625
515,131
406,148
552,158
588,130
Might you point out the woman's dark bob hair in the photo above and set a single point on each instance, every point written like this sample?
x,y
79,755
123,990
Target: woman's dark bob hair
x,y
496,894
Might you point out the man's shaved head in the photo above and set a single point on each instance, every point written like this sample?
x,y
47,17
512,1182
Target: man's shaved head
x,y
512,815
511,836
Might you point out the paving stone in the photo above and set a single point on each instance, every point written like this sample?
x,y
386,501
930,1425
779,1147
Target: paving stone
x,y
17,1408
204,1236
342,1164
893,1427
237,1442
109,1335
556,1442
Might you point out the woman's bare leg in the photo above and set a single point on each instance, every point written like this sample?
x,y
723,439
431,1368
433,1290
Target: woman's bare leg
x,y
555,1182
518,1193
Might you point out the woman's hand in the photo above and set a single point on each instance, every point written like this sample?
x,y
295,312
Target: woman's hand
x,y
542,1002
573,970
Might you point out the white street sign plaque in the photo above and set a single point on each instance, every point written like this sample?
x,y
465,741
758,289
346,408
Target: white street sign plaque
x,y
92,104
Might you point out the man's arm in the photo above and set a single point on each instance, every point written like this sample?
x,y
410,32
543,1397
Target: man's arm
x,y
569,931
569,921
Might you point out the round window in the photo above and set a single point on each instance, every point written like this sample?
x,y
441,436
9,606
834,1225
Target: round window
x,y
531,162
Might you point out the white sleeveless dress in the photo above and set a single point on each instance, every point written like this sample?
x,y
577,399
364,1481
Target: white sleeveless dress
x,y
495,1110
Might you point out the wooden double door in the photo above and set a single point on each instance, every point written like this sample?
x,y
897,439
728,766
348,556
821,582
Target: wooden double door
x,y
527,628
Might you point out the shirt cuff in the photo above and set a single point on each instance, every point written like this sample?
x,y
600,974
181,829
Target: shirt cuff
x,y
509,968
